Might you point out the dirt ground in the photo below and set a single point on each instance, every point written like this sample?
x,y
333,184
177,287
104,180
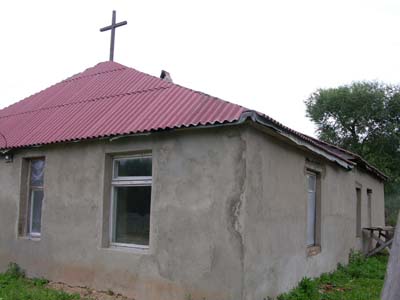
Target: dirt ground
x,y
87,293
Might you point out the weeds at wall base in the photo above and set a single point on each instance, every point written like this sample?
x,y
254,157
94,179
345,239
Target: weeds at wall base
x,y
361,279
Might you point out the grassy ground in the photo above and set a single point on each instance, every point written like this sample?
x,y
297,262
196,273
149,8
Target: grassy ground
x,y
15,286
361,279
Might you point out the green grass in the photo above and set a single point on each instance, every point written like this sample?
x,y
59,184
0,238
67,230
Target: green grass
x,y
361,279
15,286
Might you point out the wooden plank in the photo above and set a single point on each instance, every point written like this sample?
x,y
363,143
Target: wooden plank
x,y
377,239
380,228
380,248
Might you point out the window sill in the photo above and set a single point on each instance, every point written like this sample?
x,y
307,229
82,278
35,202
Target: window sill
x,y
129,248
30,238
313,250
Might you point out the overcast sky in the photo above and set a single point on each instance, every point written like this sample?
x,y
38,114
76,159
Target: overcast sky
x,y
264,55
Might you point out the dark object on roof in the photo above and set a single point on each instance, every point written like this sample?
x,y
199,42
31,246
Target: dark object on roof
x,y
111,100
166,76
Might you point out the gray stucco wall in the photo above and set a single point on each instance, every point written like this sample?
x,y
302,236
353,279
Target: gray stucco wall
x,y
197,178
227,216
276,213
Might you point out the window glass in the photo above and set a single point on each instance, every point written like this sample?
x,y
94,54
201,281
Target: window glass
x,y
311,182
131,167
358,212
369,195
311,209
37,197
132,213
37,171
311,219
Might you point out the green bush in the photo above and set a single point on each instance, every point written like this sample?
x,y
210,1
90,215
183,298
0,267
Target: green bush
x,y
15,286
14,271
39,281
306,290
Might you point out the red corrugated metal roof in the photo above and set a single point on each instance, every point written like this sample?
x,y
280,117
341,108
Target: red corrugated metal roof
x,y
105,100
110,99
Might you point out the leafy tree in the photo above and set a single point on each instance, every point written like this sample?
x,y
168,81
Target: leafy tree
x,y
363,117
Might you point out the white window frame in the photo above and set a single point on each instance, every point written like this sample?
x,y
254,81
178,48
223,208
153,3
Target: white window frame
x,y
31,191
126,181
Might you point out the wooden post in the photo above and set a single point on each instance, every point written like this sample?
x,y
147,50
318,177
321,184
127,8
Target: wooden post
x,y
391,288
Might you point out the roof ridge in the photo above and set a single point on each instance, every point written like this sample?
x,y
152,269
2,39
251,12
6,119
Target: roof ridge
x,y
72,78
88,100
184,87
57,83
209,96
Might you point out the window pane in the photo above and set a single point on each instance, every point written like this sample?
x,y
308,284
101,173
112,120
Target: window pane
x,y
37,197
311,219
132,212
138,166
312,179
369,194
37,171
358,213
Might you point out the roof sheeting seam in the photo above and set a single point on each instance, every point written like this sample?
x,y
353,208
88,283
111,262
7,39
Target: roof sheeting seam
x,y
91,75
88,100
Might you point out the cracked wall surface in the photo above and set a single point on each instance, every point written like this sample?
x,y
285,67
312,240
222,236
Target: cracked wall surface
x,y
196,244
228,216
275,215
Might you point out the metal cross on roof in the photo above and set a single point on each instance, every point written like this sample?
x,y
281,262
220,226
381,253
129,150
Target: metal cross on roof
x,y
112,28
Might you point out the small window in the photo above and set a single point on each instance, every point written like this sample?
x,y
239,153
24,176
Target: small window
x,y
311,208
369,198
358,212
131,201
36,196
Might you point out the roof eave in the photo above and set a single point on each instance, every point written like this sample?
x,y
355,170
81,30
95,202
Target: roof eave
x,y
313,147
259,119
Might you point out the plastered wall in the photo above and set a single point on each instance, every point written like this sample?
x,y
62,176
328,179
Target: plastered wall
x,y
228,216
276,255
194,245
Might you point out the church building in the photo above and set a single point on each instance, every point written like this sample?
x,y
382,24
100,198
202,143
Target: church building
x,y
118,180
115,179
